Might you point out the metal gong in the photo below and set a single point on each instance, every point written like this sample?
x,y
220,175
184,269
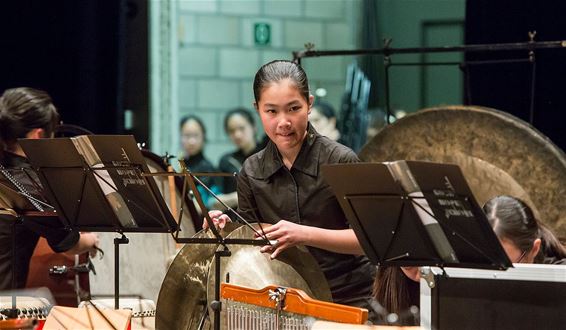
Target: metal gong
x,y
183,297
497,152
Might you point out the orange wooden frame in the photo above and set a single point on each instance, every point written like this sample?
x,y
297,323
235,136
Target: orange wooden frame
x,y
296,301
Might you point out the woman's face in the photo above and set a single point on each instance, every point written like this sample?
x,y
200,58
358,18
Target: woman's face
x,y
192,137
241,132
284,114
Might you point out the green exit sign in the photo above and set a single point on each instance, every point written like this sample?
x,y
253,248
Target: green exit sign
x,y
262,34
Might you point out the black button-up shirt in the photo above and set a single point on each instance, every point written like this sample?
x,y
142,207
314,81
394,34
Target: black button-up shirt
x,y
269,192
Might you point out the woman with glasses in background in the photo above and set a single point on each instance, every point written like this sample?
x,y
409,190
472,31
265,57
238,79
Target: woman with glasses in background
x,y
193,140
524,238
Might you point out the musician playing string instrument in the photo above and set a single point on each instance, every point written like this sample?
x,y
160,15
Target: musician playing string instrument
x,y
28,113
283,185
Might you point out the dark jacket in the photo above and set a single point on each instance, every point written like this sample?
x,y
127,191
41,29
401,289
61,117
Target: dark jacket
x,y
29,230
232,163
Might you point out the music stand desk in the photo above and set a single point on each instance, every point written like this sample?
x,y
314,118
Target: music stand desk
x,y
390,231
85,196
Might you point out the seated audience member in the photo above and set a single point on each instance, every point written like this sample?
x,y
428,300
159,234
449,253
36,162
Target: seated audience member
x,y
376,122
524,238
323,119
193,139
240,126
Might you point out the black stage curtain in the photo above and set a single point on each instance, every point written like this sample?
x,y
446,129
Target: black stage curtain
x,y
73,49
507,86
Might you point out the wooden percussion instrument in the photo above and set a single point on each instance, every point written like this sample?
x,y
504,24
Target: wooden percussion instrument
x,y
143,310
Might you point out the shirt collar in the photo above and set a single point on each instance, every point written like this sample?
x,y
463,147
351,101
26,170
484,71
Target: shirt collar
x,y
194,159
306,162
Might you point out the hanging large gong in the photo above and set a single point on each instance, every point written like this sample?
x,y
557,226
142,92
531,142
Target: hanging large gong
x,y
497,152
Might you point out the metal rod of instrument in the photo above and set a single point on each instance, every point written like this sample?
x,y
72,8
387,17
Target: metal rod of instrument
x,y
218,307
533,88
260,233
531,45
217,304
116,274
117,242
387,64
13,313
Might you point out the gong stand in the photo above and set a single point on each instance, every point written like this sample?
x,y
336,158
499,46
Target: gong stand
x,y
387,51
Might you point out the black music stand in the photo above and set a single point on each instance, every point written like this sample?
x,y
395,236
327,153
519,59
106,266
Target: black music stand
x,y
94,198
74,186
389,223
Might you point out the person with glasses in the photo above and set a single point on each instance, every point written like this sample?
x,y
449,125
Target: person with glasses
x,y
523,237
193,139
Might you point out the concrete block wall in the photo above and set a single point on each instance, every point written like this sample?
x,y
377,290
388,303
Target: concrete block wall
x,y
218,57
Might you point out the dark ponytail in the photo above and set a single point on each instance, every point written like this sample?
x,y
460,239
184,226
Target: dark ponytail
x,y
23,109
513,220
551,246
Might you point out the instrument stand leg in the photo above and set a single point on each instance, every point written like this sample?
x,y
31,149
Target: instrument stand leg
x,y
216,304
12,313
117,242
